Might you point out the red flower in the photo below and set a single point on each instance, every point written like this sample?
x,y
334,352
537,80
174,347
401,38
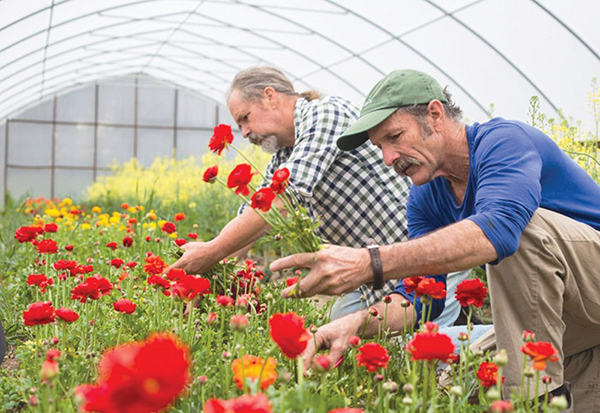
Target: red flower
x,y
93,288
255,403
372,356
39,313
431,346
127,242
125,205
124,305
116,262
410,284
131,264
139,377
40,280
432,288
28,234
239,322
210,175
540,352
47,246
488,374
291,281
69,247
192,235
501,406
262,199
180,241
66,314
189,287
51,227
280,180
287,330
322,363
347,410
155,265
239,178
180,216
169,227
471,292
222,136
225,301
159,281
176,274
112,245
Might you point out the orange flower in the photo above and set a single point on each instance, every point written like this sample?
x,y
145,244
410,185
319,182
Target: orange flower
x,y
488,374
540,352
180,216
252,366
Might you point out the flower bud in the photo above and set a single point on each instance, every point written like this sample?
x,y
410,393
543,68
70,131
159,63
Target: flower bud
x,y
239,322
501,406
408,388
456,391
373,312
462,336
529,372
354,341
33,401
528,336
387,299
405,303
54,340
379,377
547,380
313,329
501,358
212,318
202,379
322,363
407,401
559,403
226,355
493,394
390,386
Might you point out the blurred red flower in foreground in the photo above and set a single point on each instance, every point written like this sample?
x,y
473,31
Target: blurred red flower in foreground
x,y
210,175
540,352
124,305
140,377
93,288
66,314
255,403
431,345
488,374
501,406
287,330
222,136
239,179
280,180
372,356
28,234
47,246
471,292
262,199
50,365
39,313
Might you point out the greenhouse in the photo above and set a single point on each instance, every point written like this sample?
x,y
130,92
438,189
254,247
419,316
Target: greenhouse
x,y
299,206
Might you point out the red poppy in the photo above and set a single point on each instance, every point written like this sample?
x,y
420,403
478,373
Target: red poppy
x,y
471,292
280,180
28,234
189,287
287,330
372,356
124,305
410,284
66,314
192,235
93,288
39,313
262,199
540,352
127,242
176,274
239,178
169,227
47,246
432,288
488,374
248,403
116,262
133,379
222,136
112,245
225,301
210,175
180,241
51,227
431,346
155,265
291,281
180,216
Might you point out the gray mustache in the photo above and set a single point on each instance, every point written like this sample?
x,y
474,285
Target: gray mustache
x,y
401,164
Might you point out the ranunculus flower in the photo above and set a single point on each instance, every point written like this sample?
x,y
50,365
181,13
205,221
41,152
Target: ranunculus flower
x,y
131,264
169,227
210,175
192,235
176,274
28,234
488,374
127,242
291,281
180,241
112,245
372,356
189,287
124,305
252,366
431,346
471,292
66,314
540,352
49,369
322,363
411,283
93,288
47,246
239,179
225,301
287,330
51,227
248,403
159,281
155,265
140,377
239,322
39,280
39,313
222,136
432,288
280,180
501,406
180,216
262,199
116,262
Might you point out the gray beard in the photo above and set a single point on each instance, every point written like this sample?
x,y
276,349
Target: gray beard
x,y
401,164
268,143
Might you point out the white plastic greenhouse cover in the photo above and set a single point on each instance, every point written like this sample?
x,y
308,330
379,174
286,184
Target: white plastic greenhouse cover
x,y
498,52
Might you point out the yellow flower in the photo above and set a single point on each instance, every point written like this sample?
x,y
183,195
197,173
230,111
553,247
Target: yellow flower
x,y
66,202
151,215
96,209
252,368
85,226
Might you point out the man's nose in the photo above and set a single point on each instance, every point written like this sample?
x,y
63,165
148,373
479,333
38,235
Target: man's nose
x,y
245,131
389,157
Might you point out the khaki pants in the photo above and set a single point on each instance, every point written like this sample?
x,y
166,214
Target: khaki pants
x,y
551,286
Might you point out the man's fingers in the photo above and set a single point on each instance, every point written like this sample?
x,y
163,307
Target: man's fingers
x,y
297,260
308,354
305,287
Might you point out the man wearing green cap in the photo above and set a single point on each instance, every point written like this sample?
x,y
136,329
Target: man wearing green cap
x,y
500,194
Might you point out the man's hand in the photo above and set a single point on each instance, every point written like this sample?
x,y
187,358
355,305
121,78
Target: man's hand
x,y
334,336
333,271
197,258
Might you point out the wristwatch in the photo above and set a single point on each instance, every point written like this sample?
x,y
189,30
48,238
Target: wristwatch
x,y
376,265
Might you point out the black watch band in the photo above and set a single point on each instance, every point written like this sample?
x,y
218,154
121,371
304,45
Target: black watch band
x,y
376,265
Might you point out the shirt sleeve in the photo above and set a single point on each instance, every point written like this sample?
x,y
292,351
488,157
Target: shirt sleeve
x,y
508,187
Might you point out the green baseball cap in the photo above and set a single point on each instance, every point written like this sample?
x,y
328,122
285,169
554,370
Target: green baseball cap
x,y
399,88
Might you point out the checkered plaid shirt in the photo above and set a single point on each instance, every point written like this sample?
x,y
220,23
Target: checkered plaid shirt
x,y
353,194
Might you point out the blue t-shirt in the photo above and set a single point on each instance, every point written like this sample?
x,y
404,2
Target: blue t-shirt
x,y
514,169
